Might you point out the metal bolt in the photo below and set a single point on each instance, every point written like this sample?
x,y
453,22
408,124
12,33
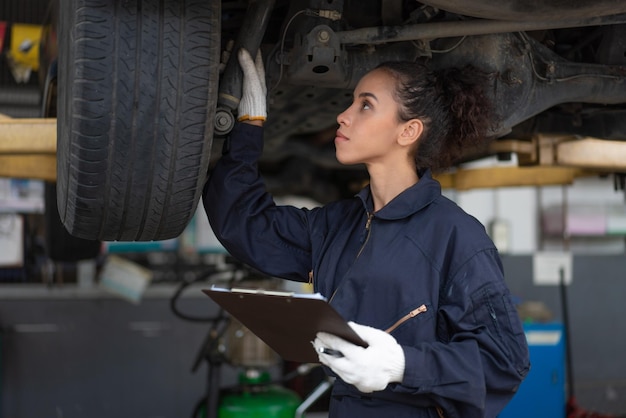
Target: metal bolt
x,y
224,121
323,36
509,77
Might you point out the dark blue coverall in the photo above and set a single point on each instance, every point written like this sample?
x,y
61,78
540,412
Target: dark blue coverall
x,y
464,345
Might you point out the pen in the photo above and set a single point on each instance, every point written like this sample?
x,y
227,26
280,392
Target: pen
x,y
327,351
330,352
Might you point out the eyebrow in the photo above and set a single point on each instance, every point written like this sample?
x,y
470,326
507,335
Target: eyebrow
x,y
366,94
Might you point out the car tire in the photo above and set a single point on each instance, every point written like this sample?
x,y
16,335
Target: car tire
x,y
60,245
137,95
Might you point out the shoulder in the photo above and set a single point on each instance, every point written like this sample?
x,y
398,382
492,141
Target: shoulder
x,y
449,236
334,212
448,213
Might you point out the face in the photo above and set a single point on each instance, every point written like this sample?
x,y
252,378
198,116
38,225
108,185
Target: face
x,y
369,129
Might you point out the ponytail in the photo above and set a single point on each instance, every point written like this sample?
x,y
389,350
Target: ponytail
x,y
471,111
452,104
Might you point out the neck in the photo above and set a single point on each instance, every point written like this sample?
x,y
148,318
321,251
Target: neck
x,y
385,185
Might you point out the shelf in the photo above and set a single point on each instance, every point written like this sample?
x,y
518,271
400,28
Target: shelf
x,y
584,221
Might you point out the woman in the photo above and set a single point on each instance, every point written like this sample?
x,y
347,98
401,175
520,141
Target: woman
x,y
418,278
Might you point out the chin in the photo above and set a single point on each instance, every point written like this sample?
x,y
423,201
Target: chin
x,y
348,162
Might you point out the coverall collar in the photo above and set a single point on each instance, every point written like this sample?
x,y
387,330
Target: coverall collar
x,y
411,200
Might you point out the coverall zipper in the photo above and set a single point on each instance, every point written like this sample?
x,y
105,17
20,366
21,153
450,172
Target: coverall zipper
x,y
368,224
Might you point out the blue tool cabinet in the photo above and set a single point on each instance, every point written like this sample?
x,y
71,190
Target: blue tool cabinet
x,y
542,394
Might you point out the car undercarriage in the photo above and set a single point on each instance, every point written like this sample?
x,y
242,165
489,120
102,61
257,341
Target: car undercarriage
x,y
148,90
550,75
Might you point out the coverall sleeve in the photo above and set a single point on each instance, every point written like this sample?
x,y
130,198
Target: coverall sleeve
x,y
243,215
482,355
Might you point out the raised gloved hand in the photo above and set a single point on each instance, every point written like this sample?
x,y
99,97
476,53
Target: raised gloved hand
x,y
369,369
253,103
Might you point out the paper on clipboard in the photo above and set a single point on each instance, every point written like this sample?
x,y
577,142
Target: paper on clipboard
x,y
286,322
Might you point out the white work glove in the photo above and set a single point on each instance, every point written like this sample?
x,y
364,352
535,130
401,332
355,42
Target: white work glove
x,y
253,103
369,369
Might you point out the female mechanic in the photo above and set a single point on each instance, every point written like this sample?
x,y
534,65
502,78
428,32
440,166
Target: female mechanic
x,y
417,277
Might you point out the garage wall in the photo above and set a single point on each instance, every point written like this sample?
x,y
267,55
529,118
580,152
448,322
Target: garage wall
x,y
102,357
598,335
521,208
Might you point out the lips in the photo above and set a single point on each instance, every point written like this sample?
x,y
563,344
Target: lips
x,y
340,137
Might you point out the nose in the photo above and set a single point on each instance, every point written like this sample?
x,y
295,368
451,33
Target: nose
x,y
342,118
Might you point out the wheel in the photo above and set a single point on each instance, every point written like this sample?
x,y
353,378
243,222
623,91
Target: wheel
x,y
137,95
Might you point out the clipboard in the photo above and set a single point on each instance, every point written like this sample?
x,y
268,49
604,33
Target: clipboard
x,y
286,322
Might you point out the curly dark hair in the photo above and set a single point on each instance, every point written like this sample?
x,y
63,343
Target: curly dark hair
x,y
451,103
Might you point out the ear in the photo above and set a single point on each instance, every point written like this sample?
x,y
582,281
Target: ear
x,y
411,132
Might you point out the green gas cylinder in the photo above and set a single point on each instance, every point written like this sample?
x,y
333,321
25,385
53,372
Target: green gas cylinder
x,y
259,399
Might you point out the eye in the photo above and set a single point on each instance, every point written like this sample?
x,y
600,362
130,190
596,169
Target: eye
x,y
365,105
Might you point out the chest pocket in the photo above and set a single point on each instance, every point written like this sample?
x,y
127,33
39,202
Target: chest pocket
x,y
412,325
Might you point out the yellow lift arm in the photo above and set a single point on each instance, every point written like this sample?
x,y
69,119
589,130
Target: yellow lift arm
x,y
28,150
